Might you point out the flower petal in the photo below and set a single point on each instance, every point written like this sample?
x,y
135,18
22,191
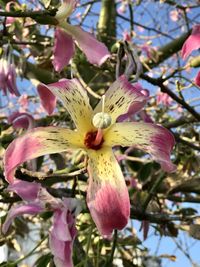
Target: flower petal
x,y
107,194
197,79
20,210
60,228
148,137
95,51
48,100
62,251
63,49
38,142
26,190
192,42
62,236
75,100
11,80
122,97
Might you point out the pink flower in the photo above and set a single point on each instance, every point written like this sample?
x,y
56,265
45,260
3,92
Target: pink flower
x,y
197,79
23,102
66,35
107,194
63,232
8,78
192,42
164,99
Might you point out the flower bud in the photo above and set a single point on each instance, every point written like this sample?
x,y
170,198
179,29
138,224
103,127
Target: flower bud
x,y
102,120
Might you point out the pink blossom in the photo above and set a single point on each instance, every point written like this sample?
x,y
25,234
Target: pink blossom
x,y
106,182
126,36
66,35
164,99
63,232
192,42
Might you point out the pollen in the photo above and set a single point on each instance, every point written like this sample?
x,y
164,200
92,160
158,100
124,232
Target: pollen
x,y
90,139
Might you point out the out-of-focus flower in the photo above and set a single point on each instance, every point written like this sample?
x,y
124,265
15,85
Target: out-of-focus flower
x,y
174,15
197,79
149,51
97,132
192,42
8,77
65,35
23,102
63,232
21,120
126,36
163,99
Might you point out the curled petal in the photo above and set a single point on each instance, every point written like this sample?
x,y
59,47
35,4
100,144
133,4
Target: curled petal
x,y
122,97
63,49
48,100
65,9
192,42
20,210
148,137
107,194
197,79
35,143
75,100
95,51
26,190
21,120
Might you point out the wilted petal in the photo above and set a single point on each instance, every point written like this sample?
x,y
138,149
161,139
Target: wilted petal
x,y
95,51
62,236
107,194
11,80
63,49
20,210
197,79
148,137
62,251
60,228
75,100
38,142
21,120
192,42
26,190
122,97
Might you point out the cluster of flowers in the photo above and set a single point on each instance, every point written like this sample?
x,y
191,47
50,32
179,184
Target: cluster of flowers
x,y
107,194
